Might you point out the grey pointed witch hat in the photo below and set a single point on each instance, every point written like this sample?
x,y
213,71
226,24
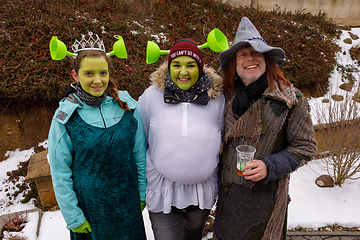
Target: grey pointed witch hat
x,y
247,35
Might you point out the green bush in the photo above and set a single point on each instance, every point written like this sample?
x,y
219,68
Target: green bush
x,y
28,73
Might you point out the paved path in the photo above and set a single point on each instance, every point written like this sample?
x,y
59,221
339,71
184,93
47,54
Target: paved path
x,y
321,235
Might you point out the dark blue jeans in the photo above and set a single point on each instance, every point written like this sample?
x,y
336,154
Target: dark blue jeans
x,y
179,224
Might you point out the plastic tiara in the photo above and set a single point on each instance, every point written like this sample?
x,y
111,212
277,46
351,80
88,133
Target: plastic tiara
x,y
216,41
93,43
58,49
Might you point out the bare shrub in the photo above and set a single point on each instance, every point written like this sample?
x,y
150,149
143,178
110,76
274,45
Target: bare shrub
x,y
338,132
14,224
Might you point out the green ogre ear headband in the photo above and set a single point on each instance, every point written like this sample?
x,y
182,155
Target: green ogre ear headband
x,y
58,49
216,41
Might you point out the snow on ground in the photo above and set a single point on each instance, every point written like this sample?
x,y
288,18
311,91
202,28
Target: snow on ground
x,y
310,206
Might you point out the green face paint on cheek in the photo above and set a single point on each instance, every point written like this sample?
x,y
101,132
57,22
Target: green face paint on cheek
x,y
184,72
93,75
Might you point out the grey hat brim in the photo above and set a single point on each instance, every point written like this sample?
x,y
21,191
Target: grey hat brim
x,y
275,53
246,35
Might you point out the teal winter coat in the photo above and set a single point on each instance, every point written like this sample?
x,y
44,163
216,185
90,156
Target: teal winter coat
x,y
60,149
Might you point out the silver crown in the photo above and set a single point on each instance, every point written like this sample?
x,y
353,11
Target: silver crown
x,y
92,43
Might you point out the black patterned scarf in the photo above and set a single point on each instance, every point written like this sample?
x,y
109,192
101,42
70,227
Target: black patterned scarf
x,y
89,99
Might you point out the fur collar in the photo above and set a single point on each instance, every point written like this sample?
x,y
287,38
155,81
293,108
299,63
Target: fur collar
x,y
158,78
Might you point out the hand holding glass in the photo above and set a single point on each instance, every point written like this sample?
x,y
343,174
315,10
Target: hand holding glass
x,y
245,154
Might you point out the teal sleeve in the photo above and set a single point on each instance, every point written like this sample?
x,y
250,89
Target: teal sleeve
x,y
60,160
140,155
139,149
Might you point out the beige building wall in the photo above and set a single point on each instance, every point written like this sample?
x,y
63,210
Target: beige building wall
x,y
343,12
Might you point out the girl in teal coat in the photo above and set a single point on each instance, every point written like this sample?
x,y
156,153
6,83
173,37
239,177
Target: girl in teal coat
x,y
97,152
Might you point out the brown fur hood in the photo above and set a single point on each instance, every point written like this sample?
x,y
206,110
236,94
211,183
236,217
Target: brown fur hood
x,y
159,76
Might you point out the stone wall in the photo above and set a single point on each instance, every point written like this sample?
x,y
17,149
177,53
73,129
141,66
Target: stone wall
x,y
343,12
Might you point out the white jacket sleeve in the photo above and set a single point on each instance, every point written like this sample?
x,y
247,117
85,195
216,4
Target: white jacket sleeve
x,y
142,108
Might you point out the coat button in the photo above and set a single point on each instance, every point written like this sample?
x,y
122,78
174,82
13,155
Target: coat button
x,y
228,167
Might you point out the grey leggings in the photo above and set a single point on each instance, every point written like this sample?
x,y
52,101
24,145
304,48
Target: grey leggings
x,y
179,224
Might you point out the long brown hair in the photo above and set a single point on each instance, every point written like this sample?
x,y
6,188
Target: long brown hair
x,y
112,88
273,73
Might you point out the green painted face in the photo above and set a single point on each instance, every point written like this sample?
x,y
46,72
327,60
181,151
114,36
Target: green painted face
x,y
93,75
184,72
